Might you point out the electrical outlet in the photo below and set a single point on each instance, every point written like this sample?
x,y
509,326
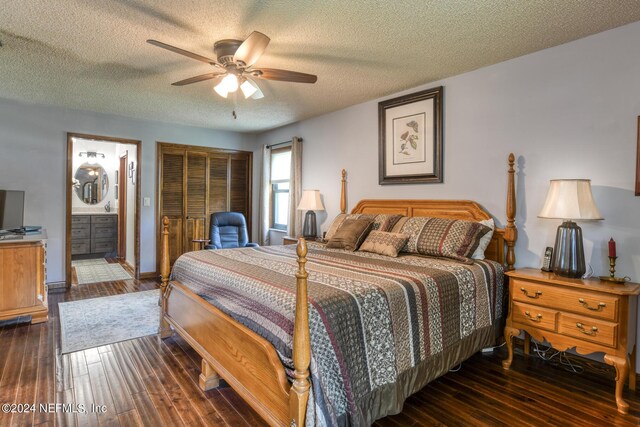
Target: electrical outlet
x,y
146,201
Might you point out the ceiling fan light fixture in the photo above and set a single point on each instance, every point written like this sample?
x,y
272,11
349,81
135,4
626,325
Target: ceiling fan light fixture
x,y
248,88
221,90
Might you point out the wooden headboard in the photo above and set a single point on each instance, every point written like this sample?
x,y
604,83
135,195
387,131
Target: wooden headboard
x,y
501,247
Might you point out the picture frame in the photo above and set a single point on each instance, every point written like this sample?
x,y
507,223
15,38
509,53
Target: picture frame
x,y
410,138
638,161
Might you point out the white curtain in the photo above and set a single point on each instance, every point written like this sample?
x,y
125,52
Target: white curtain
x,y
294,227
265,196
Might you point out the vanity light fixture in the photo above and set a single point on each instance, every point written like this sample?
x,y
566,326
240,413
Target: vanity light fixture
x,y
92,156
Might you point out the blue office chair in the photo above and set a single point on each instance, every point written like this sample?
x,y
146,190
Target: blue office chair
x,y
229,230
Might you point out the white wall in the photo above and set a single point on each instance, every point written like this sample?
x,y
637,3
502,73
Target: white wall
x,y
566,112
33,151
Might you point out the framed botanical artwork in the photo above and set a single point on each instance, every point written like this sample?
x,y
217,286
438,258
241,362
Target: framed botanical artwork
x,y
638,161
410,138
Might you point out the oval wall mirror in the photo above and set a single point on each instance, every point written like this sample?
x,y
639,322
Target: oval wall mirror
x,y
91,183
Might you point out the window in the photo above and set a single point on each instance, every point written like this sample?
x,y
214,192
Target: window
x,y
280,174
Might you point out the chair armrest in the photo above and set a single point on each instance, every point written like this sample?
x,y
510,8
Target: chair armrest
x,y
252,245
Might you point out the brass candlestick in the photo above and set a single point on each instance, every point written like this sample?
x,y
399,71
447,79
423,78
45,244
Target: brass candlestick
x,y
612,266
612,272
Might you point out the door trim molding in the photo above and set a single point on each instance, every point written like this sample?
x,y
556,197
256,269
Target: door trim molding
x,y
69,195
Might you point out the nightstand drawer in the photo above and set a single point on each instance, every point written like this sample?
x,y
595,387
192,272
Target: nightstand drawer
x,y
582,302
588,329
538,317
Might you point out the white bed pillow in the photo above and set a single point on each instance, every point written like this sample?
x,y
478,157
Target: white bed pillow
x,y
484,241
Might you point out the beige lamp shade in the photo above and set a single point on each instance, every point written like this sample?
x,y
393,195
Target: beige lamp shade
x,y
570,199
311,201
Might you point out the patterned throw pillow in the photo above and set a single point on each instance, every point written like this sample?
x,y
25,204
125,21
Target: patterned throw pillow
x,y
384,243
381,222
451,238
351,234
486,239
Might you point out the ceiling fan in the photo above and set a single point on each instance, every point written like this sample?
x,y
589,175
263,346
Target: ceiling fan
x,y
235,60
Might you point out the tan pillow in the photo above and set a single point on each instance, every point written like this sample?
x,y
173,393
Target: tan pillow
x,y
382,222
351,234
384,243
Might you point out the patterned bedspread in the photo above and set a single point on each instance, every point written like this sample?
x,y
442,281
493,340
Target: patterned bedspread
x,y
375,321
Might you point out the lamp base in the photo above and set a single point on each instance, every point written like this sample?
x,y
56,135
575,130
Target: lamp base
x,y
569,252
310,227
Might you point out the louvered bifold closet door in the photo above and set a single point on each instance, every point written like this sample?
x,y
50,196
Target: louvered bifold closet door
x,y
239,185
172,199
196,200
218,183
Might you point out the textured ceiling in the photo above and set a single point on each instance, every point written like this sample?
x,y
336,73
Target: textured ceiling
x,y
92,55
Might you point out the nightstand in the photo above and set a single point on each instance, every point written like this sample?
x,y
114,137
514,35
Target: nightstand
x,y
289,240
588,315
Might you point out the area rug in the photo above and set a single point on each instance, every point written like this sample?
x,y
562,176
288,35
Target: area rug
x,y
95,322
99,272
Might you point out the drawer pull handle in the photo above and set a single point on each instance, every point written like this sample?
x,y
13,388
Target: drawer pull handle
x,y
593,330
526,293
586,305
538,317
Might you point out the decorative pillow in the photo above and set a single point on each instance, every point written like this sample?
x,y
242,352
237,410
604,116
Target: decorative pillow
x,y
451,238
382,222
351,234
485,240
384,243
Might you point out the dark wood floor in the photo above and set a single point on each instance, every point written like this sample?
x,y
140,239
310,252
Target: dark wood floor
x,y
151,382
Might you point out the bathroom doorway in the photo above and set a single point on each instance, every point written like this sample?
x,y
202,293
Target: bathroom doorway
x,y
103,209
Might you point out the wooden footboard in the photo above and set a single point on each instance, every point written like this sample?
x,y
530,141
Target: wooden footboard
x,y
245,360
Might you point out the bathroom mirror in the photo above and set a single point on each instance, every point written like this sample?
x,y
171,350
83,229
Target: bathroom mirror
x,y
91,183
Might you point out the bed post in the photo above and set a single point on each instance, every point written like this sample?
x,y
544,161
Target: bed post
x,y
299,394
164,329
510,232
343,193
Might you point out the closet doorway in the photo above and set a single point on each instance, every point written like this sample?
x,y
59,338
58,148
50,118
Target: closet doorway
x,y
102,209
193,183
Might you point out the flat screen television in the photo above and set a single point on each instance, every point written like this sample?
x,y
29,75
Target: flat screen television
x,y
11,210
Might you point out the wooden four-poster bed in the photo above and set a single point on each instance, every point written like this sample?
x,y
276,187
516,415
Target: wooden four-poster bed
x,y
250,363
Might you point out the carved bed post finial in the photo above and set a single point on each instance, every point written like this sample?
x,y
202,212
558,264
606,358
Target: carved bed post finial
x,y
299,394
165,269
510,232
343,193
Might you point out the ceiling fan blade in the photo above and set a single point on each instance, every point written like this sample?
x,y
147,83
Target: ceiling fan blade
x,y
197,79
283,75
182,52
252,48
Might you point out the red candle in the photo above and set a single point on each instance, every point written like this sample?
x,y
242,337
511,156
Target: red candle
x,y
612,248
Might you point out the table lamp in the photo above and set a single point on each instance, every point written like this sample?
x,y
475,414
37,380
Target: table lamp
x,y
569,199
310,202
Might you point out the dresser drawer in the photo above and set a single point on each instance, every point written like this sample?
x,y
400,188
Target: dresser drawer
x,y
103,245
80,232
104,219
80,247
585,302
99,231
80,219
588,329
538,317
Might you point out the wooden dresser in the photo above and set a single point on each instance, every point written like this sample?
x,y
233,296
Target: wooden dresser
x,y
23,291
588,315
94,234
